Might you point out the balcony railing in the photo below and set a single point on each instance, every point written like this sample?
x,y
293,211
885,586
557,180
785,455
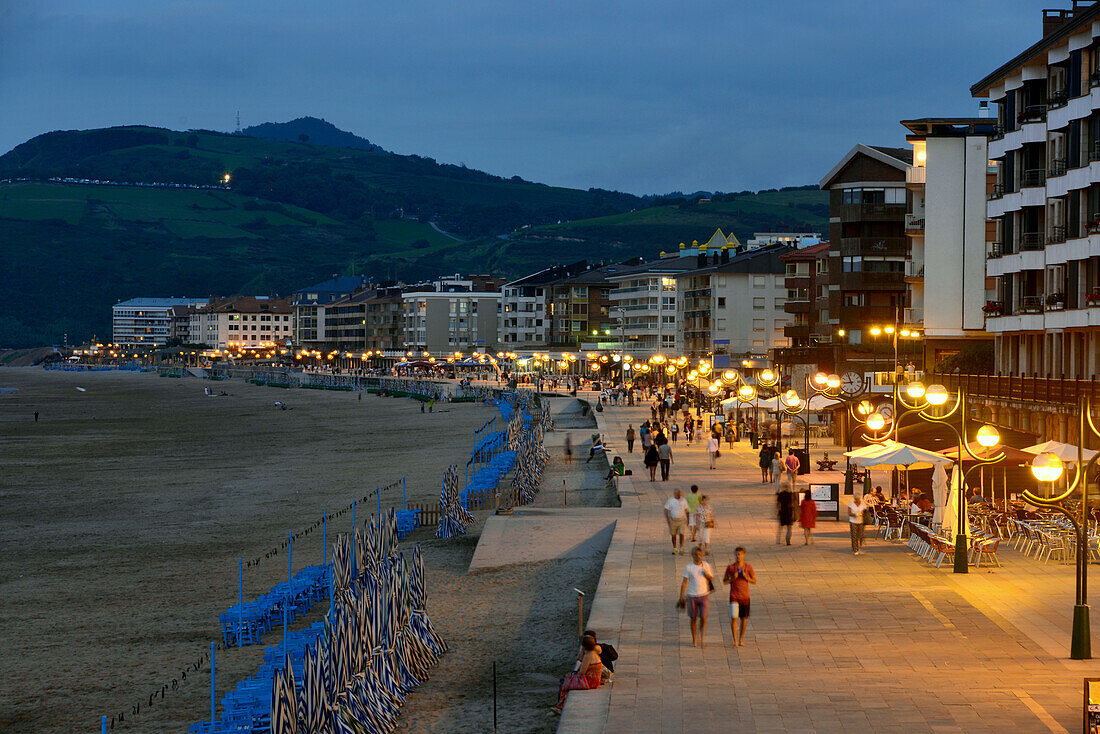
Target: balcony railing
x,y
1057,98
1031,304
1033,113
995,250
1033,177
1031,241
1094,79
1094,151
915,175
1058,167
914,316
914,269
853,246
914,222
998,191
998,131
874,212
1010,387
1057,234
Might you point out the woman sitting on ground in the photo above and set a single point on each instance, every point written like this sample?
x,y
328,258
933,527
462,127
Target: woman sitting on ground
x,y
588,674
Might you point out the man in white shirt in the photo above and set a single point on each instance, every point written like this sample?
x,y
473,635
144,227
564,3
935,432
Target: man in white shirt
x,y
855,523
676,515
696,586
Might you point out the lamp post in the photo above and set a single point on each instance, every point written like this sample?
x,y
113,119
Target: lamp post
x,y
770,378
1048,468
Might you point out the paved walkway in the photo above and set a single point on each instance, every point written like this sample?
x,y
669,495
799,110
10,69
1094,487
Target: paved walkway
x,y
836,643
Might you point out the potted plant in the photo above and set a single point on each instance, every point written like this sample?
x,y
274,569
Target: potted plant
x,y
992,308
1055,301
1092,226
1092,299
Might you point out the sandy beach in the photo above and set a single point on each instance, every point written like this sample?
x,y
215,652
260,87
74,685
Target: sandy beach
x,y
126,507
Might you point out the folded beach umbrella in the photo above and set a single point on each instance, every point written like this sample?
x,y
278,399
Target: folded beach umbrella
x,y
357,545
326,675
290,691
312,702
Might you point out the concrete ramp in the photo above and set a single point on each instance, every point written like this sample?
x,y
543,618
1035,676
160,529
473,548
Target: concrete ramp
x,y
542,534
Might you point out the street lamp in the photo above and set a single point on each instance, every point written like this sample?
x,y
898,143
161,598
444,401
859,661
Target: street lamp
x,y
1048,468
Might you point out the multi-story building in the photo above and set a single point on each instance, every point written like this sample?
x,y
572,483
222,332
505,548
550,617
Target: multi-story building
x,y
525,309
146,321
643,304
797,239
806,278
241,322
732,303
385,320
1046,202
949,184
308,306
453,318
868,244
369,319
580,305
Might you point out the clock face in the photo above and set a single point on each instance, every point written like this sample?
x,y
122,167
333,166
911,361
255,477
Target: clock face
x,y
851,382
886,410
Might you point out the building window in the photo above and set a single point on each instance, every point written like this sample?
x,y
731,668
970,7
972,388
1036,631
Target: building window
x,y
758,324
779,302
779,281
758,304
779,324
721,301
759,281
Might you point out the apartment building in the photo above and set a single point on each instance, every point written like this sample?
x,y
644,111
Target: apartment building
x,y
308,306
450,317
868,244
241,322
732,303
806,280
1046,200
580,305
146,321
525,310
949,183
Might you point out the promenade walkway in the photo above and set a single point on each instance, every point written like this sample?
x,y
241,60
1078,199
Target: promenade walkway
x,y
836,643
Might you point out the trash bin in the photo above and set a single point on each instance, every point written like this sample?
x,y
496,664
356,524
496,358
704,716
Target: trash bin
x,y
803,461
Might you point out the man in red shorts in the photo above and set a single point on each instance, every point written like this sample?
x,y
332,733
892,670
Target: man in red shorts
x,y
739,575
696,586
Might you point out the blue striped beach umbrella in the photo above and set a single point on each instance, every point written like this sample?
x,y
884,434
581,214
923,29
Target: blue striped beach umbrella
x,y
357,544
290,690
328,677
312,707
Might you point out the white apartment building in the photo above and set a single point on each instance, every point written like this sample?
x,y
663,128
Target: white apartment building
x,y
440,322
146,321
241,322
736,305
1046,202
797,239
949,183
525,310
643,305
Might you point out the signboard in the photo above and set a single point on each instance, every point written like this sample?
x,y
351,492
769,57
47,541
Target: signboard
x,y
721,341
1092,705
827,499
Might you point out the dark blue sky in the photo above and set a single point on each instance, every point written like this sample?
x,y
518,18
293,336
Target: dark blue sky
x,y
638,96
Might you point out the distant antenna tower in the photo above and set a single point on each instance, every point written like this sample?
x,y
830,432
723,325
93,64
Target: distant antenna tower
x,y
238,120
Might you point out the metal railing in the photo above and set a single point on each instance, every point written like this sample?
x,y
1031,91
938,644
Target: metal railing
x,y
1063,391
1057,167
1033,177
998,191
1032,241
914,222
1031,304
1057,233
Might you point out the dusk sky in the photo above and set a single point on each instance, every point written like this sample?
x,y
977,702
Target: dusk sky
x,y
645,97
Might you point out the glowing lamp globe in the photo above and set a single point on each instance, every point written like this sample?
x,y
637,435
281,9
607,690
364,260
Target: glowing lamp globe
x,y
791,399
832,382
876,421
746,392
821,378
865,407
988,436
1046,467
767,376
915,390
936,395
728,375
713,388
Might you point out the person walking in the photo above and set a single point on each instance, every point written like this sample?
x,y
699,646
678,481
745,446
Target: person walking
x,y
856,508
630,439
738,576
693,499
689,430
652,460
807,517
704,520
792,464
712,450
696,587
765,463
777,468
569,447
785,507
676,515
664,454
674,429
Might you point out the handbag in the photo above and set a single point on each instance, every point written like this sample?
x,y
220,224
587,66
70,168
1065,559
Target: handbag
x,y
717,453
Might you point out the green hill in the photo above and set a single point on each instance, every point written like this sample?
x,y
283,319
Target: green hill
x,y
295,213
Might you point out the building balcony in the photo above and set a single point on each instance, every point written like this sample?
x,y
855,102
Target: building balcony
x,y
1057,167
913,315
796,281
997,192
865,281
998,131
855,316
797,331
1033,113
1094,151
797,306
698,293
1057,98
914,270
1057,234
1031,304
884,246
1028,389
1032,241
915,175
872,212
996,249
914,224
1033,177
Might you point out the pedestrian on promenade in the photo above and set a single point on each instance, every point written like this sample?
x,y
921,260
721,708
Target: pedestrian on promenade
x,y
653,411
712,449
677,513
674,429
693,499
651,460
647,437
739,575
696,587
664,453
792,464
785,503
569,447
856,508
807,517
704,517
765,463
777,468
689,431
630,439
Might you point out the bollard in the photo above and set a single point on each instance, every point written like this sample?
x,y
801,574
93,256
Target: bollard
x,y
564,495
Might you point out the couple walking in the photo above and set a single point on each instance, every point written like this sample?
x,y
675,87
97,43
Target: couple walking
x,y
694,512
698,584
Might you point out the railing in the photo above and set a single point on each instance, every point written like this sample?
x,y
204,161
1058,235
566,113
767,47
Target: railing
x,y
998,131
996,249
1058,167
851,246
1011,387
1031,304
855,212
1057,98
914,269
1033,177
914,223
1094,151
1031,241
1057,233
915,175
1033,113
998,191
913,315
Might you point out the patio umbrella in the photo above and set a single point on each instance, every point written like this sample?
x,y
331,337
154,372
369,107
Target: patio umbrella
x,y
939,492
900,455
1064,451
951,515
